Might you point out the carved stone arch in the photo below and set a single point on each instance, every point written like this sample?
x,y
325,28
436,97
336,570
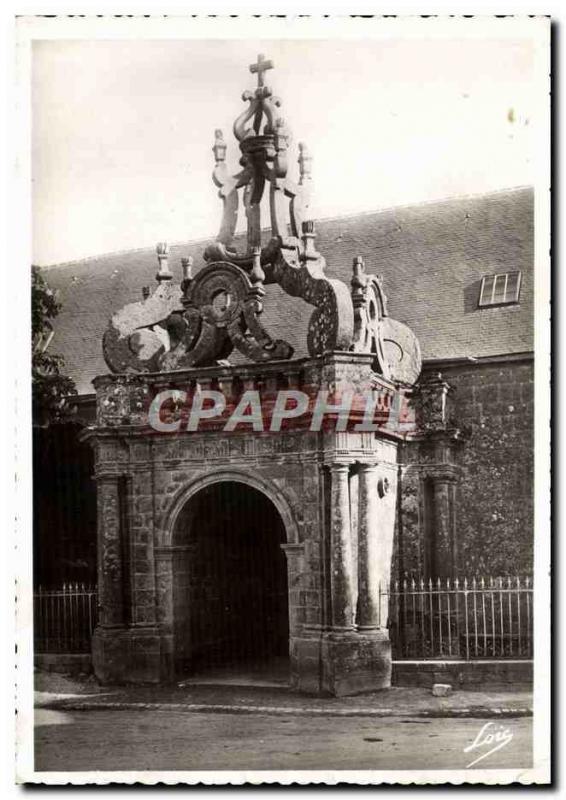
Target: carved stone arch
x,y
232,475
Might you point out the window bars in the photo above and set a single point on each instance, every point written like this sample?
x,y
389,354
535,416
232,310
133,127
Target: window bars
x,y
500,289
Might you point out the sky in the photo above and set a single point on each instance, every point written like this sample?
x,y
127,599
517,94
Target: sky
x,y
122,130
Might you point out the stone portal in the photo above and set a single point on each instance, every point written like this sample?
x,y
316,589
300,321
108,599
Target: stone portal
x,y
229,575
246,507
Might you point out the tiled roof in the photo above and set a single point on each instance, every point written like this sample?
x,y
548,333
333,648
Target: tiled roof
x,y
432,258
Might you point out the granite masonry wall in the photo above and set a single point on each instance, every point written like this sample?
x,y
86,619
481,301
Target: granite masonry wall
x,y
491,402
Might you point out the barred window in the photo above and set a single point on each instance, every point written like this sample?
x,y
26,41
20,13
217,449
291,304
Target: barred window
x,y
498,290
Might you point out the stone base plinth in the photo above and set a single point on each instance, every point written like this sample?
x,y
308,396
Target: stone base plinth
x,y
341,664
127,655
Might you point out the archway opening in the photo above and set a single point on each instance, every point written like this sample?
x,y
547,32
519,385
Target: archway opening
x,y
230,593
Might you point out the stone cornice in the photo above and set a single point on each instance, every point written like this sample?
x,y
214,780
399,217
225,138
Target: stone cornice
x,y
293,549
443,473
108,476
168,552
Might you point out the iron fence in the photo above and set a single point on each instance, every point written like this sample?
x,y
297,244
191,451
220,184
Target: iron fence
x,y
64,618
461,618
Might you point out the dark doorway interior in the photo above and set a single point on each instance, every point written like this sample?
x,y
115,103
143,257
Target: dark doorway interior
x,y
230,581
64,507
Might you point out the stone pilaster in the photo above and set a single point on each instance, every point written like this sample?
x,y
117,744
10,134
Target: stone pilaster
x,y
387,506
444,518
368,549
340,550
440,441
110,567
164,557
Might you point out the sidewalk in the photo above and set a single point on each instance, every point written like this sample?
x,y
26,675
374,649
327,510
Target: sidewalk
x,y
70,694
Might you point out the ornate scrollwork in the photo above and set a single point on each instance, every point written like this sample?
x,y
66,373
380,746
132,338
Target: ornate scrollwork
x,y
138,334
370,308
220,308
229,304
394,345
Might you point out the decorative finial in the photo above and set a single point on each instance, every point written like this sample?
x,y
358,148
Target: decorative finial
x,y
264,140
308,237
219,147
257,275
261,66
305,162
187,266
358,269
358,282
162,250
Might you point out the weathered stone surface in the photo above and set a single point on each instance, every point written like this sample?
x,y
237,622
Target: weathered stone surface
x,y
136,336
402,351
128,655
464,674
441,690
148,480
484,481
110,565
340,665
341,566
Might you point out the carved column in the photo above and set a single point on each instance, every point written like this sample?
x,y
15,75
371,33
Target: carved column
x,y
340,550
110,568
368,549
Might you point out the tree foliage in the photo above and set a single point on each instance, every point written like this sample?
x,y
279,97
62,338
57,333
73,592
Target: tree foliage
x,y
51,389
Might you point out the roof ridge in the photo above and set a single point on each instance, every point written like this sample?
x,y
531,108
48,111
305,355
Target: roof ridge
x,y
352,215
438,201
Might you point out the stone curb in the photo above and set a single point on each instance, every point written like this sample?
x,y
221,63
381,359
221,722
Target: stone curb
x,y
476,712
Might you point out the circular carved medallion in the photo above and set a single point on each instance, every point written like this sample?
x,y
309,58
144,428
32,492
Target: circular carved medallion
x,y
219,291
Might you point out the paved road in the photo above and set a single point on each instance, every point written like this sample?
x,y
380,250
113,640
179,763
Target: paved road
x,y
161,740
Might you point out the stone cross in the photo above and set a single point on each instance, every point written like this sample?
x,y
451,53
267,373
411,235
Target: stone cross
x,y
260,67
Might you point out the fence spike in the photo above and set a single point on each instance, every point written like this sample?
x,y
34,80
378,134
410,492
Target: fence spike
x,y
457,583
413,584
448,584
